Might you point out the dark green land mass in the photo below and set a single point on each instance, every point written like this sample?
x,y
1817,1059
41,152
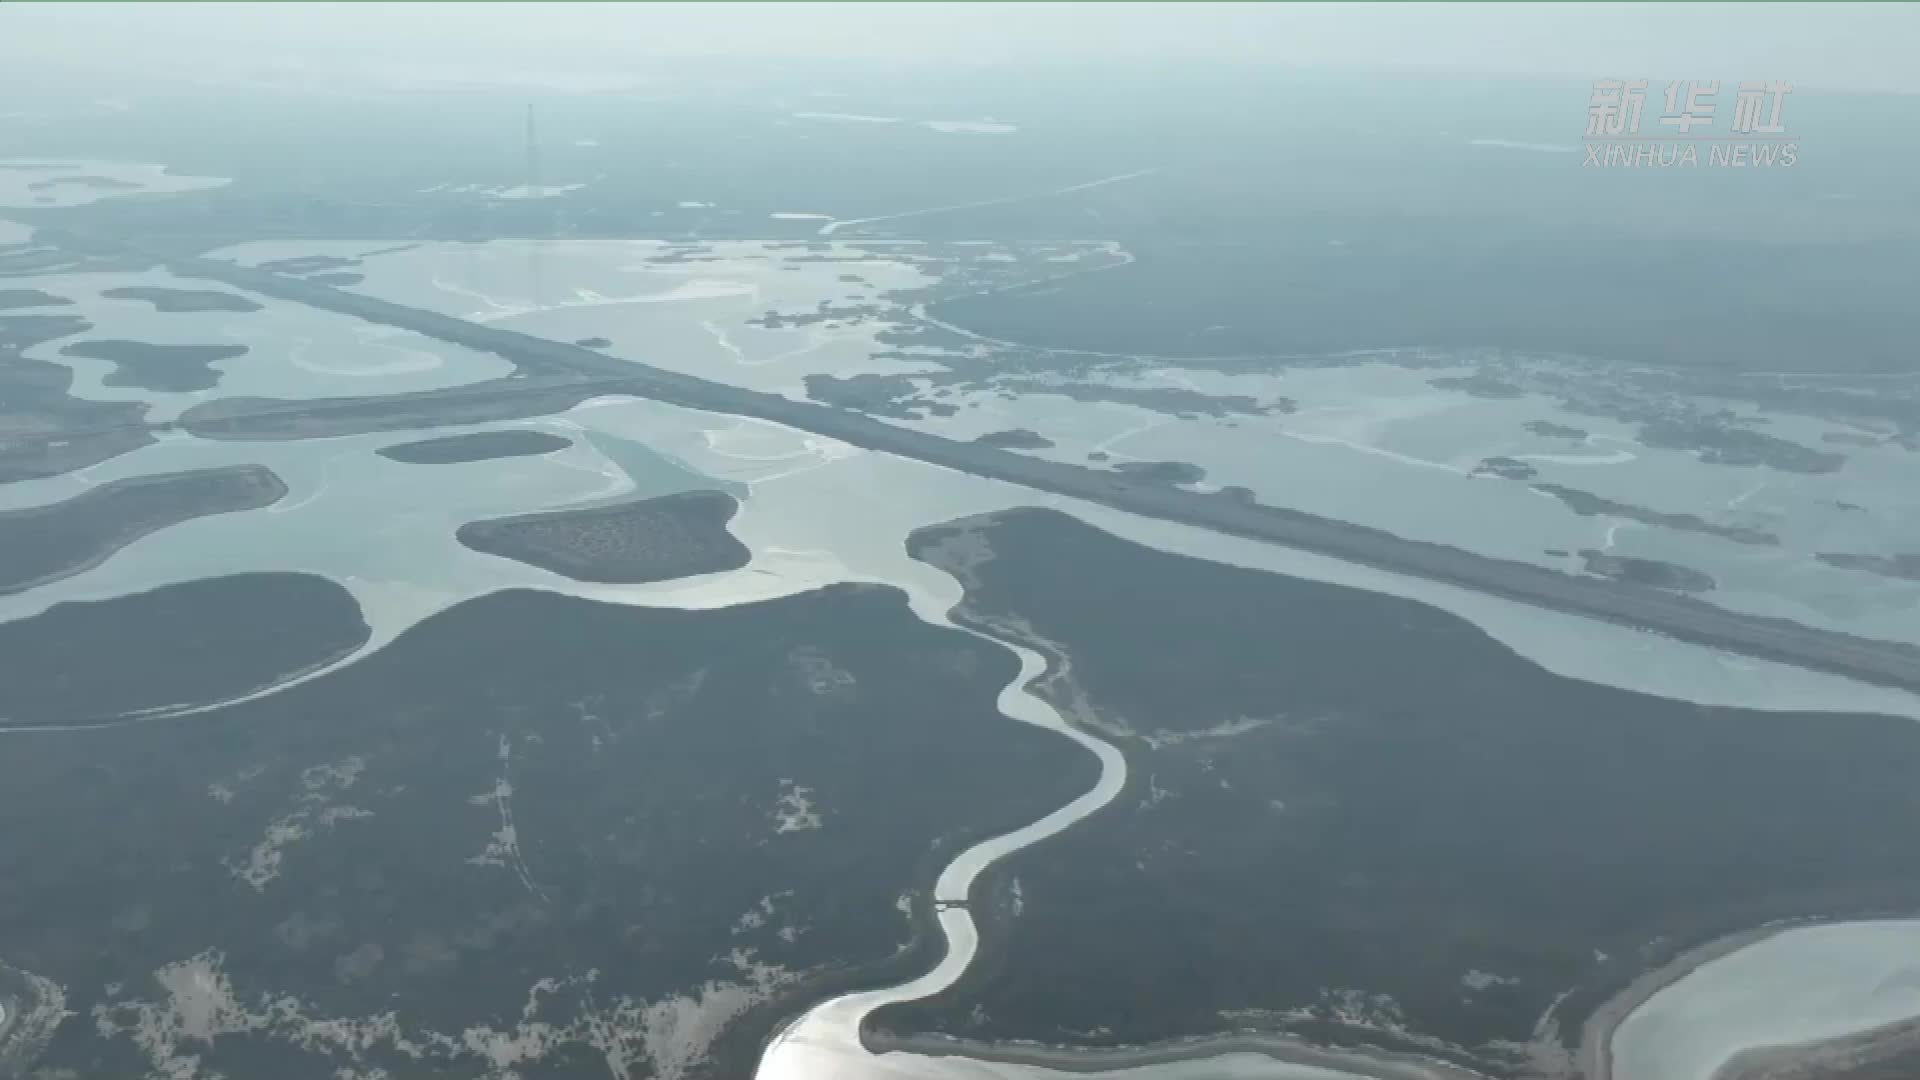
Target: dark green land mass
x,y
46,543
1720,444
877,395
13,299
1890,1052
1654,572
164,299
478,446
1015,439
525,787
1339,799
1176,400
163,368
21,332
628,543
1161,472
1479,385
33,262
193,643
1587,504
1904,565
509,398
1851,438
1220,269
44,430
1549,429
1506,468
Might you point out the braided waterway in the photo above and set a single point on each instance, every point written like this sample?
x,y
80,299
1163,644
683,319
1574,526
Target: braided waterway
x,y
814,512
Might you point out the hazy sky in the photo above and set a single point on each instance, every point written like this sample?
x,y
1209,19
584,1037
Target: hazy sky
x,y
1841,46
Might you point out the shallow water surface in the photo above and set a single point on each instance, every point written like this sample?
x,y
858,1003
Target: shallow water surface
x,y
1803,985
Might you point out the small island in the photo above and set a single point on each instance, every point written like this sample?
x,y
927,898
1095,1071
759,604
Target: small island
x,y
175,300
1479,384
11,299
1171,400
1549,429
487,402
161,368
629,543
1587,504
478,446
1903,566
897,396
1171,473
307,264
20,261
47,543
1506,468
593,342
1014,439
1651,572
1850,438
1718,444
848,315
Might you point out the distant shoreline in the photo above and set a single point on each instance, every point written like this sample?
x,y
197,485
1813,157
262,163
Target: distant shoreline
x,y
1885,663
1377,1064
1592,1061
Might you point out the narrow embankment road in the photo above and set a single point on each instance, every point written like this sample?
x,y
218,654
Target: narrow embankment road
x,y
1882,662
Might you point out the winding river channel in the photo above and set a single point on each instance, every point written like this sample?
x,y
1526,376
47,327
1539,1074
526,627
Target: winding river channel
x,y
826,1041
